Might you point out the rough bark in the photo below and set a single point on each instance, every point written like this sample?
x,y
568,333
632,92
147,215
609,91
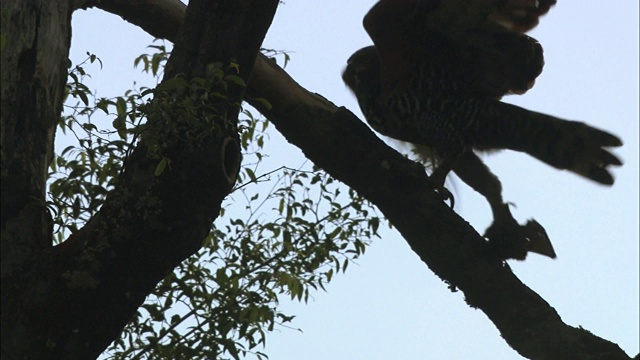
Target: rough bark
x,y
70,301
342,145
34,64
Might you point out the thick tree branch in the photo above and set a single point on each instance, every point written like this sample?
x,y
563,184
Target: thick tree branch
x,y
342,145
336,141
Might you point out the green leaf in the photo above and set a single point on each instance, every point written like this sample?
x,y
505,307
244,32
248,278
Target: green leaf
x,y
103,104
374,223
83,97
235,79
121,105
176,83
161,166
251,174
137,60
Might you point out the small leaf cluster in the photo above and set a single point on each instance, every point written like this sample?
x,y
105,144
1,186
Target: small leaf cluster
x,y
187,113
222,302
153,63
87,168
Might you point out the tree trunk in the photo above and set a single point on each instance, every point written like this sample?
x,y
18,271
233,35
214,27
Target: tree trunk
x,y
70,301
34,73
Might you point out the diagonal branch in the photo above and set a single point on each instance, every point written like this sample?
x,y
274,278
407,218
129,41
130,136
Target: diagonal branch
x,y
340,143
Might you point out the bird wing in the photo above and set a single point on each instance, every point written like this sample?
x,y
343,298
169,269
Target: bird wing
x,y
479,46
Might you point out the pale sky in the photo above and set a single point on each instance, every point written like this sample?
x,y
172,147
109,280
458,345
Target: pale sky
x,y
391,306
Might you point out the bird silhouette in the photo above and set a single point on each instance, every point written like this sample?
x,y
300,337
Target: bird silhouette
x,y
435,78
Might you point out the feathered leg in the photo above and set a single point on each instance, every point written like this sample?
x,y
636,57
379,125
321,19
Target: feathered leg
x,y
506,236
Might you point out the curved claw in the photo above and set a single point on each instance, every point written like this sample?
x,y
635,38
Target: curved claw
x,y
511,240
437,179
538,239
442,191
446,196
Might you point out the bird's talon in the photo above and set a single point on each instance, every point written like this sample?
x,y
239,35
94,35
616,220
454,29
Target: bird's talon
x,y
511,240
538,240
446,196
437,179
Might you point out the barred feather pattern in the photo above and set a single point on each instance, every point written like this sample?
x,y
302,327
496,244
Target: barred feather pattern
x,y
433,111
435,78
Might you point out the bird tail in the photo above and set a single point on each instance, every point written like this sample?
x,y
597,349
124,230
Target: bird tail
x,y
563,144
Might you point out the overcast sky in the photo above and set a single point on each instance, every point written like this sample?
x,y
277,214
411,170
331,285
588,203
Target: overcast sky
x,y
391,306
